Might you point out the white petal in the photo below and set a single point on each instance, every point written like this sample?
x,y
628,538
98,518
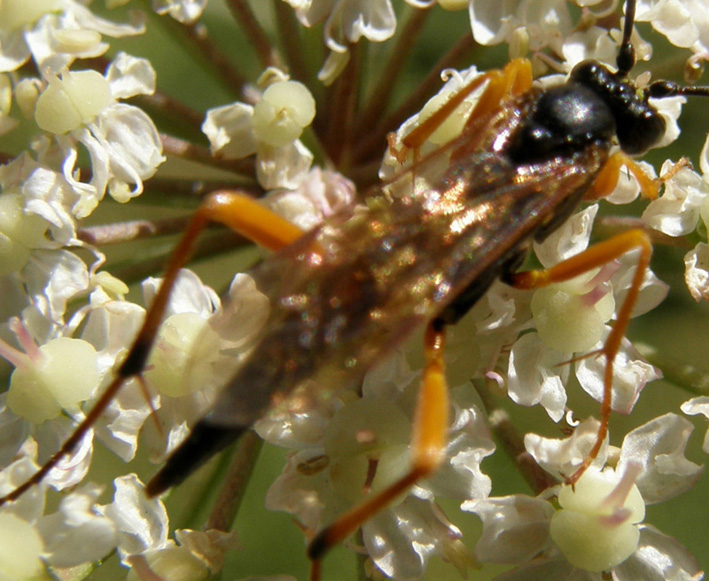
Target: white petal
x,y
696,271
306,494
184,11
142,523
698,405
321,194
126,140
704,157
13,51
490,20
659,446
515,528
53,278
652,290
282,167
561,457
130,76
50,196
228,129
121,423
658,558
85,18
75,534
630,375
166,562
30,505
73,467
334,64
469,443
569,240
594,43
536,374
209,546
402,539
188,295
671,18
676,212
670,110
372,19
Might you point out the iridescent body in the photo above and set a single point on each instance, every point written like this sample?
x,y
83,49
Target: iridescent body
x,y
347,293
344,295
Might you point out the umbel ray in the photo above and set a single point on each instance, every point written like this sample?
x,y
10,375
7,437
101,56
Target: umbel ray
x,y
346,293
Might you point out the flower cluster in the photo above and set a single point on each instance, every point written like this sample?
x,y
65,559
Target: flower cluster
x,y
304,126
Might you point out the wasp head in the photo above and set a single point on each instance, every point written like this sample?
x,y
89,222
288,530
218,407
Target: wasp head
x,y
638,125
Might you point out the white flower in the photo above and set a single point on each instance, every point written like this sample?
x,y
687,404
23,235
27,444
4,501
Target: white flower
x,y
684,24
121,139
340,440
285,109
19,233
451,128
570,318
677,211
59,375
682,209
597,524
110,324
143,542
67,323
184,11
53,33
595,43
537,375
270,129
696,275
141,523
75,534
320,195
346,21
52,278
542,23
695,406
199,345
37,212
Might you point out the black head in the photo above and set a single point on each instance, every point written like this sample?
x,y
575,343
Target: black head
x,y
597,105
638,124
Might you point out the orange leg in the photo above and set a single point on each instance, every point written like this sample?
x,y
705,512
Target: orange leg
x,y
240,213
607,178
594,257
428,451
514,79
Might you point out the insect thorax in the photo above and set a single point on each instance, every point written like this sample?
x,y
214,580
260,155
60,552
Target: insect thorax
x,y
592,108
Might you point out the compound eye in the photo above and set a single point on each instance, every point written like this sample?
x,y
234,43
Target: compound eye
x,y
638,131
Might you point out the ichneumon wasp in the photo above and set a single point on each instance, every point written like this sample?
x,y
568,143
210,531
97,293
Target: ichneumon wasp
x,y
346,293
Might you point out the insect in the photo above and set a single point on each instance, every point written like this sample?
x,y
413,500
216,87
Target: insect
x,y
345,293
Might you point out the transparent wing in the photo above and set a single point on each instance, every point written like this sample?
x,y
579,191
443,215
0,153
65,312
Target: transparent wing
x,y
347,293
